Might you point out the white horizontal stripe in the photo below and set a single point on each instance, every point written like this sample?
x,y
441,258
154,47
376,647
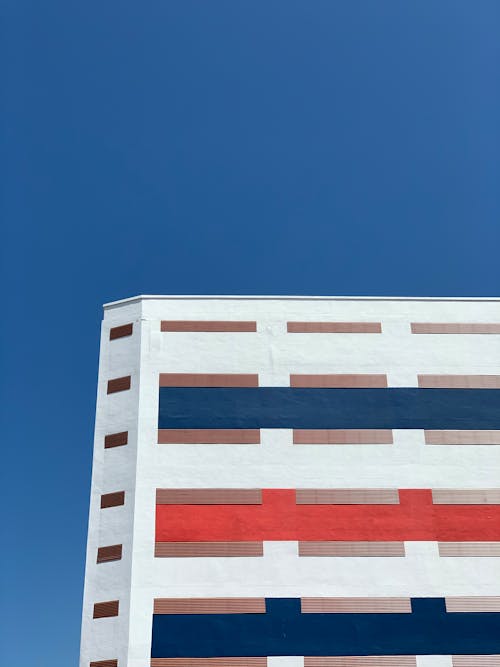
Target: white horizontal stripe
x,y
277,463
393,351
434,661
285,661
281,573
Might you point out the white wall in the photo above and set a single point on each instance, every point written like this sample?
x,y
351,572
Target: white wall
x,y
142,465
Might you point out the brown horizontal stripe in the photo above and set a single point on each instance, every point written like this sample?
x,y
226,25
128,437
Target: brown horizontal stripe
x,y
336,380
121,332
114,499
355,605
208,326
347,497
472,604
455,328
207,549
459,381
106,609
209,380
362,661
342,437
209,497
334,327
106,554
476,660
209,662
466,497
116,440
464,549
342,549
209,436
210,606
104,663
119,384
462,437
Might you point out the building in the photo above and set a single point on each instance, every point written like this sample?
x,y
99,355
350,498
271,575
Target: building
x,y
295,481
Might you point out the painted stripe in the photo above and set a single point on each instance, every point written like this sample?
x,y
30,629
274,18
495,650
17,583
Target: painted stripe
x,y
208,436
289,407
342,437
116,440
209,662
361,661
209,380
334,327
119,384
476,660
284,630
332,381
210,606
104,663
207,549
472,604
111,553
462,437
106,609
121,331
415,518
459,381
466,549
208,496
347,497
355,605
114,499
208,325
353,549
455,328
466,497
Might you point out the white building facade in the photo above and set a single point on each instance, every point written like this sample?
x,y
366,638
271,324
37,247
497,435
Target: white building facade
x,y
333,460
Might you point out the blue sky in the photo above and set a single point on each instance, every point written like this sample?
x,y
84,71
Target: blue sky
x,y
222,146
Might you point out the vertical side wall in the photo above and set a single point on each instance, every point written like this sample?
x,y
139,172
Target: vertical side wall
x,y
113,470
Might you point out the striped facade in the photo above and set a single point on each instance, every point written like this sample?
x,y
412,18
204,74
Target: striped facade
x,y
295,482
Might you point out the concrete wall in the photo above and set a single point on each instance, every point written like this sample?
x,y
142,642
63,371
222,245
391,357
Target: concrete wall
x,y
142,466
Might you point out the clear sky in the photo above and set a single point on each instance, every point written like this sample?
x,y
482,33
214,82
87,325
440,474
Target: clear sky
x,y
213,146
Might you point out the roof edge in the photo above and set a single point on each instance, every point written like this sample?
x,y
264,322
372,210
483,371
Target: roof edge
x,y
244,297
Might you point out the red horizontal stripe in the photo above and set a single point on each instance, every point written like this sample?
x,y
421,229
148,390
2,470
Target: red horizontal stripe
x,y
280,518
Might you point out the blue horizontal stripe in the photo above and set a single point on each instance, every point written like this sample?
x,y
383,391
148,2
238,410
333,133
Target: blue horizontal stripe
x,y
283,630
287,407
